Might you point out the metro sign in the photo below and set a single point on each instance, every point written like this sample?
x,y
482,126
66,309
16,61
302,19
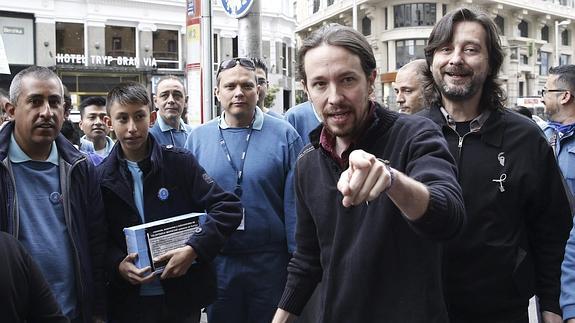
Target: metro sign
x,y
237,8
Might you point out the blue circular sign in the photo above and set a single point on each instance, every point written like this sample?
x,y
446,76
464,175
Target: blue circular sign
x,y
237,8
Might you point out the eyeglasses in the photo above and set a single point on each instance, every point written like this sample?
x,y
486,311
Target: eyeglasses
x,y
231,63
556,90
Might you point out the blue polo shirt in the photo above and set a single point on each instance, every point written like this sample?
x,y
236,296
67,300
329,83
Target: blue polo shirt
x,y
42,223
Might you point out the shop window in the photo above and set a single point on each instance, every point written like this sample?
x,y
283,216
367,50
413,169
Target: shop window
x,y
166,51
500,22
408,50
69,38
545,33
414,14
523,28
120,42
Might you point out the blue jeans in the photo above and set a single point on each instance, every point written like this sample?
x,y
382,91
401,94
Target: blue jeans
x,y
249,287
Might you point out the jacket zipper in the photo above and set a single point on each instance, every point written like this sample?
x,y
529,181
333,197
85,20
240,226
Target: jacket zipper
x,y
12,196
68,218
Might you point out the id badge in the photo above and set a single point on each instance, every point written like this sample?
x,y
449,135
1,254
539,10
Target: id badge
x,y
242,224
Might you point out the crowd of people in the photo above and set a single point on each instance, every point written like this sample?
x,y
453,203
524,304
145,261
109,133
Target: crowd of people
x,y
454,209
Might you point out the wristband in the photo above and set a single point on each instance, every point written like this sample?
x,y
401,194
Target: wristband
x,y
391,174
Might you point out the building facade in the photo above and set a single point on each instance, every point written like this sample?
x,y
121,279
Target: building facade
x,y
535,35
95,44
277,45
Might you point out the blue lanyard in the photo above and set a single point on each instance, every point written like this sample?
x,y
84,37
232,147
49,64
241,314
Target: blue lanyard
x,y
239,172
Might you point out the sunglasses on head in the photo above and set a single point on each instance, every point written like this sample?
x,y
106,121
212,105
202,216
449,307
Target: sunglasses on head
x,y
231,63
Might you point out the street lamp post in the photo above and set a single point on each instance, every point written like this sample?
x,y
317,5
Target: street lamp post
x,y
557,41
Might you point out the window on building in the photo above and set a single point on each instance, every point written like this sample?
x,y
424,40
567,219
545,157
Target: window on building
x,y
235,47
366,26
315,6
69,38
216,53
500,22
166,51
408,50
330,2
565,37
386,26
284,59
544,66
120,41
523,28
545,33
521,89
414,14
524,59
564,59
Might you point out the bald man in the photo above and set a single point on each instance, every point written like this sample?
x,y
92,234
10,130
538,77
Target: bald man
x,y
409,86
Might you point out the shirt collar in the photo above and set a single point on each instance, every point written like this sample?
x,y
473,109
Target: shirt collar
x,y
258,122
17,155
475,124
166,127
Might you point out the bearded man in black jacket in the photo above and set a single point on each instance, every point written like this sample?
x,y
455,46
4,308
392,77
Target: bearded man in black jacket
x,y
519,215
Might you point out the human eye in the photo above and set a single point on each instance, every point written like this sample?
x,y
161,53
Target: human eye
x,y
348,80
319,84
248,86
445,49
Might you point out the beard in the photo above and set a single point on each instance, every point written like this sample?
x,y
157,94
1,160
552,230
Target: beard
x,y
462,91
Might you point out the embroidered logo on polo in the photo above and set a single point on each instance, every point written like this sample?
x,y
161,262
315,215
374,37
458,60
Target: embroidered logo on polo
x,y
501,180
163,194
55,198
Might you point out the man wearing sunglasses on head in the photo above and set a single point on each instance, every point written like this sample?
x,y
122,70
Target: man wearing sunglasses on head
x,y
252,154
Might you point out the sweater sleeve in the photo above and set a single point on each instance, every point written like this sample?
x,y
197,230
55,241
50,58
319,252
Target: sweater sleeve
x,y
304,269
430,162
549,222
567,299
224,211
289,194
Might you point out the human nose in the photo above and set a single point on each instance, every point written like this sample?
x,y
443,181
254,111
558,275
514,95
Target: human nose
x,y
238,91
400,98
47,112
456,57
334,97
131,126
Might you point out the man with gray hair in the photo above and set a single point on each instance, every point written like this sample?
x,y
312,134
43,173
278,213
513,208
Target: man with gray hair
x,y
410,85
376,192
170,100
51,199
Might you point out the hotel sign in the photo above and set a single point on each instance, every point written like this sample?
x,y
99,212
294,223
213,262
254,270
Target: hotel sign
x,y
103,60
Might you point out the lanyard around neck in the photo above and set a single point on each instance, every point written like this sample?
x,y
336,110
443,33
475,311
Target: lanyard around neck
x,y
239,171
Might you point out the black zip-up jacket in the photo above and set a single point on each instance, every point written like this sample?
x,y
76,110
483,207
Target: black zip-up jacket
x,y
375,265
514,241
83,211
24,293
190,189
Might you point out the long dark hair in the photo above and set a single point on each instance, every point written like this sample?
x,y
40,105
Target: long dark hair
x,y
493,96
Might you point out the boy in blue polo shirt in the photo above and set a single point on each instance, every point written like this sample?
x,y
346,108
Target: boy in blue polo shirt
x,y
142,181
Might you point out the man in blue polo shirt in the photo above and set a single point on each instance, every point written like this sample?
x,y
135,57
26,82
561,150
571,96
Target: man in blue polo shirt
x,y
170,100
51,199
